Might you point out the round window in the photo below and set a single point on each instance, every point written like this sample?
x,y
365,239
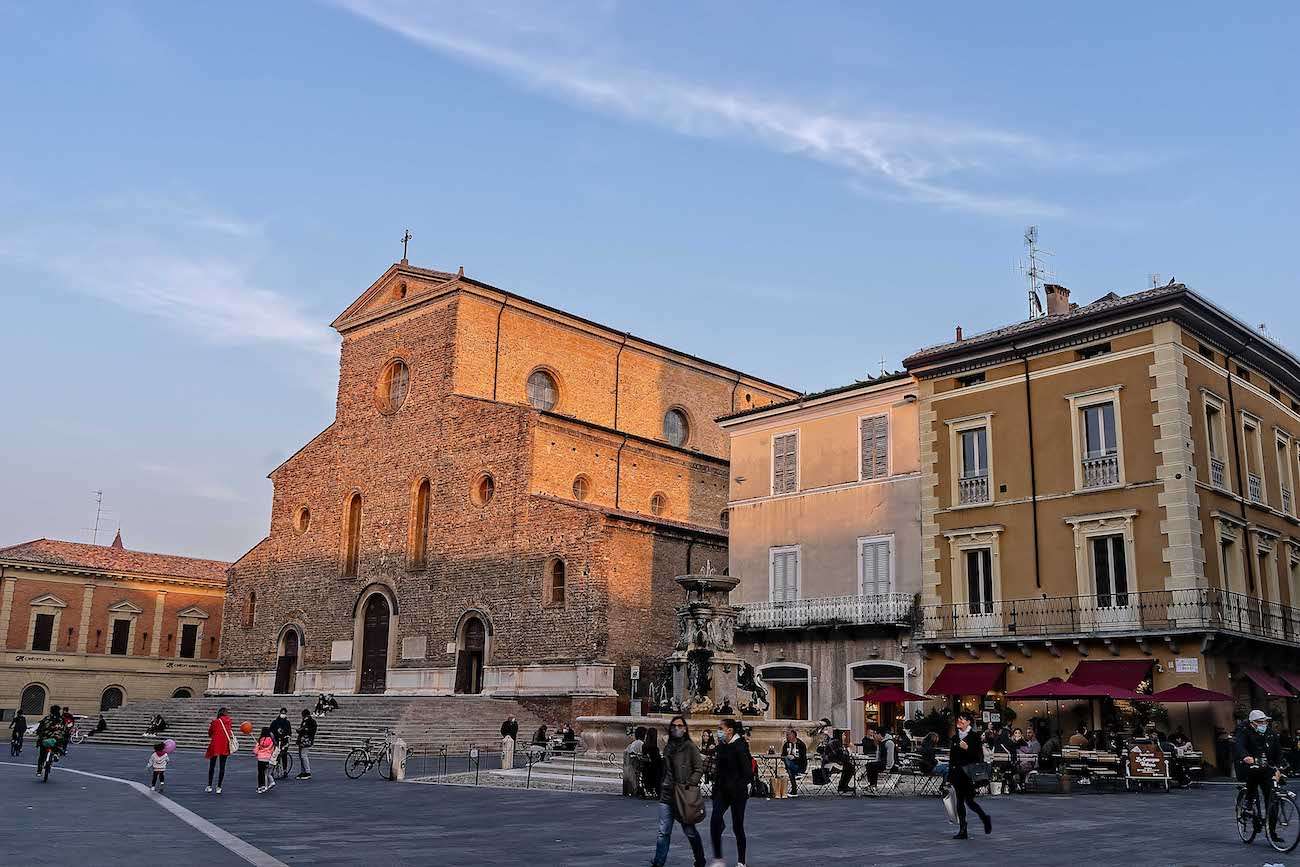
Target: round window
x,y
676,428
581,488
541,390
302,520
724,520
394,383
483,490
658,504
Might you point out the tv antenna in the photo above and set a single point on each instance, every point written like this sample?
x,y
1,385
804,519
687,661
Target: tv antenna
x,y
1035,271
1155,279
99,515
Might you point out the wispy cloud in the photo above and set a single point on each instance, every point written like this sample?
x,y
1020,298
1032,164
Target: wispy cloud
x,y
914,158
205,489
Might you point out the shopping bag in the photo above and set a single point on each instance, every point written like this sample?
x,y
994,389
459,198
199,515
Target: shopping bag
x,y
950,805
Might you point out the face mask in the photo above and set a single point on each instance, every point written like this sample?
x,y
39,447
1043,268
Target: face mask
x,y
1261,727
722,735
282,716
677,731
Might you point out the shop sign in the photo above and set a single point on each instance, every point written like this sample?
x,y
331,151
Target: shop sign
x,y
1187,665
1146,761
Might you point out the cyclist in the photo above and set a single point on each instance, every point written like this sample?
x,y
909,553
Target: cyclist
x,y
18,730
50,728
1258,753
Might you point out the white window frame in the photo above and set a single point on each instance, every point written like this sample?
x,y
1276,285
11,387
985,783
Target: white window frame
x,y
1211,401
1234,579
862,577
1085,400
889,445
798,571
124,610
1285,478
1293,571
1088,527
771,465
956,427
195,616
1252,437
47,603
961,541
1265,545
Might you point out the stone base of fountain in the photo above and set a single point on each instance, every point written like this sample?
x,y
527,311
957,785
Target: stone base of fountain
x,y
609,734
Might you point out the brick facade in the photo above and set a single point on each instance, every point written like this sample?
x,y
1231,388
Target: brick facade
x,y
470,349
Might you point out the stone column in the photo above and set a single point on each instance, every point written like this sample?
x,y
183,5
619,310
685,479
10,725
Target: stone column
x,y
6,608
83,631
159,604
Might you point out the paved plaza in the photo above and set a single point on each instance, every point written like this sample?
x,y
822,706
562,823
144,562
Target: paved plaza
x,y
76,819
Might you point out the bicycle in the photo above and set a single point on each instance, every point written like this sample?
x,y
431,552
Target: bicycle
x,y
1279,813
283,764
366,756
51,756
79,734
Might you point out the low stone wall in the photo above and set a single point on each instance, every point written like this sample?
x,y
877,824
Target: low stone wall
x,y
609,733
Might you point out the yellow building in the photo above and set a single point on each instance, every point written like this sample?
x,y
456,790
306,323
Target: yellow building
x,y
93,626
824,535
1113,483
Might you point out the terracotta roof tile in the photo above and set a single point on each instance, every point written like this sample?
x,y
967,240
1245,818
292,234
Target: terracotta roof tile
x,y
54,552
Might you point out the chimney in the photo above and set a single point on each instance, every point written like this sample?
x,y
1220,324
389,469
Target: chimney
x,y
1058,299
959,334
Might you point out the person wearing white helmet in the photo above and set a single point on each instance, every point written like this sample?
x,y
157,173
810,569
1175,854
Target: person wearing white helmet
x,y
1258,753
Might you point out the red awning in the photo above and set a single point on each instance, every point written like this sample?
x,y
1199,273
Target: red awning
x,y
1291,679
1186,692
1125,674
1267,682
1055,688
890,693
969,678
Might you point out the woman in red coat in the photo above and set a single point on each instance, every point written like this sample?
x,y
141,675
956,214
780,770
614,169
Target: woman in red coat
x,y
220,738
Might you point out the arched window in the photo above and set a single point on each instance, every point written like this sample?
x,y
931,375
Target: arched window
x,y
581,488
658,504
420,525
32,703
302,520
553,593
111,699
676,428
352,536
724,520
483,490
183,692
394,383
542,392
250,609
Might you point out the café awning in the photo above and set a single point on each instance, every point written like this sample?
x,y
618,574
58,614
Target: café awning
x,y
1186,692
1061,690
1123,674
890,693
1291,679
969,678
1267,682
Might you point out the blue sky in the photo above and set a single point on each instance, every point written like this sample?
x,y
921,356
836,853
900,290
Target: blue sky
x,y
189,193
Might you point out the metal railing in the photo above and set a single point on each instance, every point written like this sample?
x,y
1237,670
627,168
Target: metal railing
x,y
1255,488
1101,472
883,608
972,490
1147,611
1286,500
1217,475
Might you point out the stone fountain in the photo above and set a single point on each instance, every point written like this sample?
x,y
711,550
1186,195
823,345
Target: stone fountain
x,y
702,673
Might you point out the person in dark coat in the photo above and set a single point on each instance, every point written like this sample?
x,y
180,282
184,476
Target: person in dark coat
x,y
18,731
966,751
653,766
683,765
734,771
306,739
1258,753
281,731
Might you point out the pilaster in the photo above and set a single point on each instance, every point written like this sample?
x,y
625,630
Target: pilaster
x,y
1181,522
83,629
156,640
6,608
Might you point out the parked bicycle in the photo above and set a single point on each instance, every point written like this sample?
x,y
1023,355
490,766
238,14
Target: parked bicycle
x,y
366,756
1278,814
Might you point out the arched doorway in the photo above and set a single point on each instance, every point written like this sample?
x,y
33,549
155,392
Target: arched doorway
x,y
286,665
183,692
790,685
863,678
471,656
33,701
374,645
111,699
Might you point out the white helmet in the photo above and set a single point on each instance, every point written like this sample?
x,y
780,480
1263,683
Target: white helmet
x,y
1258,716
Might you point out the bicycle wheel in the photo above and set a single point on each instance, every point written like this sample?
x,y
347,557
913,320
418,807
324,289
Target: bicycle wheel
x,y
280,770
1246,825
386,765
356,764
1283,823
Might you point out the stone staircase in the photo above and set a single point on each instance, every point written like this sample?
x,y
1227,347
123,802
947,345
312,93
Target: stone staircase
x,y
458,722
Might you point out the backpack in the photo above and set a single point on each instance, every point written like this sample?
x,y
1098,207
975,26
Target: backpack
x,y
759,789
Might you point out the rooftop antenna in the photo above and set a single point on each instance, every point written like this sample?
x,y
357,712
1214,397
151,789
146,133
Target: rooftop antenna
x,y
1155,279
1035,271
99,513
883,371
406,237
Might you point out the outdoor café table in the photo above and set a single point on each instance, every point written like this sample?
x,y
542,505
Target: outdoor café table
x,y
770,768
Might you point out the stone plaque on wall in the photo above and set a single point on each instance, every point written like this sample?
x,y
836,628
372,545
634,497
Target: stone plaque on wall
x,y
414,647
340,651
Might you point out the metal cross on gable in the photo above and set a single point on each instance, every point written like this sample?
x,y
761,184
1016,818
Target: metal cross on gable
x,y
406,237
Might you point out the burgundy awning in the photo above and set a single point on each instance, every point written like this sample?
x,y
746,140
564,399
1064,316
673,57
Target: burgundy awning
x,y
1267,682
1186,692
890,693
1055,688
1291,679
969,678
1124,674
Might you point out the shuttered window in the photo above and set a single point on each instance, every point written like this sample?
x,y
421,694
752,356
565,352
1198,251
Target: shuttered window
x,y
785,458
785,574
874,434
875,554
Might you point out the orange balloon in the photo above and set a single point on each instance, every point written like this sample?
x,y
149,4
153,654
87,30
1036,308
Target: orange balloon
x,y
246,727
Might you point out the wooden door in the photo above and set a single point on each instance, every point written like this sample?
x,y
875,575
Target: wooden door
x,y
286,667
374,646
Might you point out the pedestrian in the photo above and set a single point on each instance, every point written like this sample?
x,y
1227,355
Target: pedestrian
x,y
652,764
281,730
794,755
306,738
221,739
683,766
18,731
632,759
264,752
509,735
157,766
735,770
965,752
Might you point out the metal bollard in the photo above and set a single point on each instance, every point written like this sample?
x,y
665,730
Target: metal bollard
x,y
399,759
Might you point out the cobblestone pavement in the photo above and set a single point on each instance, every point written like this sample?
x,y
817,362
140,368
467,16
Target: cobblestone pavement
x,y
333,820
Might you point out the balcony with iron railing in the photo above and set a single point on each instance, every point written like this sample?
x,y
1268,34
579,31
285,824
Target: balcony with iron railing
x,y
1150,611
881,609
1101,471
1218,477
972,490
1286,501
1255,488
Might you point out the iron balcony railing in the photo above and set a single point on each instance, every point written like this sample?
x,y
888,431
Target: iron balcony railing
x,y
1286,500
1216,473
972,490
1101,472
1147,611
883,608
1255,487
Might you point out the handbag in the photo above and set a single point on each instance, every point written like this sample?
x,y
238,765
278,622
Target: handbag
x,y
230,737
688,803
950,805
979,773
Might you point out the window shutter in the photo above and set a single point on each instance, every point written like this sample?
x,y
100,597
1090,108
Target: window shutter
x,y
783,463
874,432
785,576
875,568
778,577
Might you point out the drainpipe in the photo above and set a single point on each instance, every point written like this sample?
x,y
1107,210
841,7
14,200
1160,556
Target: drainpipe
x,y
618,359
496,362
1033,470
1247,553
734,389
618,472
